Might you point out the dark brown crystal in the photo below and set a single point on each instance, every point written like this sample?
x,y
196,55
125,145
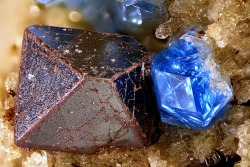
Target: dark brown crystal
x,y
80,91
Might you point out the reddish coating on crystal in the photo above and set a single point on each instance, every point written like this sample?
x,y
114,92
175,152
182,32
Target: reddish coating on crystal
x,y
80,91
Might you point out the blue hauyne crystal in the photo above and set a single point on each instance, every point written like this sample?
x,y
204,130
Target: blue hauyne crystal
x,y
48,2
137,11
189,88
120,16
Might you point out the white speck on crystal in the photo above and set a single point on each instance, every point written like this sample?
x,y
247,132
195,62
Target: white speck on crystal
x,y
78,51
66,51
31,76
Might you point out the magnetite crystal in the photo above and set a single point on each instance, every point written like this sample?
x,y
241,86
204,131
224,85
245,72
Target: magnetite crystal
x,y
80,91
188,85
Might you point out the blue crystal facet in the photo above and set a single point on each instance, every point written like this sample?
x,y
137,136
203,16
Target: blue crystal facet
x,y
189,88
120,16
137,11
48,2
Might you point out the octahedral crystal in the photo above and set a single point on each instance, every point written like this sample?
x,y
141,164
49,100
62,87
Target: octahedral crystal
x,y
189,88
80,91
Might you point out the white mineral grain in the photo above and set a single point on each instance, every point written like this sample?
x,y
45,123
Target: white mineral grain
x,y
36,159
11,81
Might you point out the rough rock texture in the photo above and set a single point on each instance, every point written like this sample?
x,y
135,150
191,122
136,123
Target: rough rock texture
x,y
231,32
244,142
184,14
237,66
231,24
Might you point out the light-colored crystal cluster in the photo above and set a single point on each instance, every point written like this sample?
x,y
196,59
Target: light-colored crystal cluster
x,y
228,29
244,142
36,159
6,141
10,85
231,24
237,66
184,14
231,33
228,21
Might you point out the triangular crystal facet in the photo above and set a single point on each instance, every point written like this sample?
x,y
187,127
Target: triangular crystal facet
x,y
80,91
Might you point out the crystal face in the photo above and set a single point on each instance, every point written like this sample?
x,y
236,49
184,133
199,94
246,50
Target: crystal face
x,y
121,16
137,11
189,88
48,2
84,93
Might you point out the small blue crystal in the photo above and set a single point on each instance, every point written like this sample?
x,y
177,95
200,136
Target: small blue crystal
x,y
48,2
120,16
189,88
137,11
